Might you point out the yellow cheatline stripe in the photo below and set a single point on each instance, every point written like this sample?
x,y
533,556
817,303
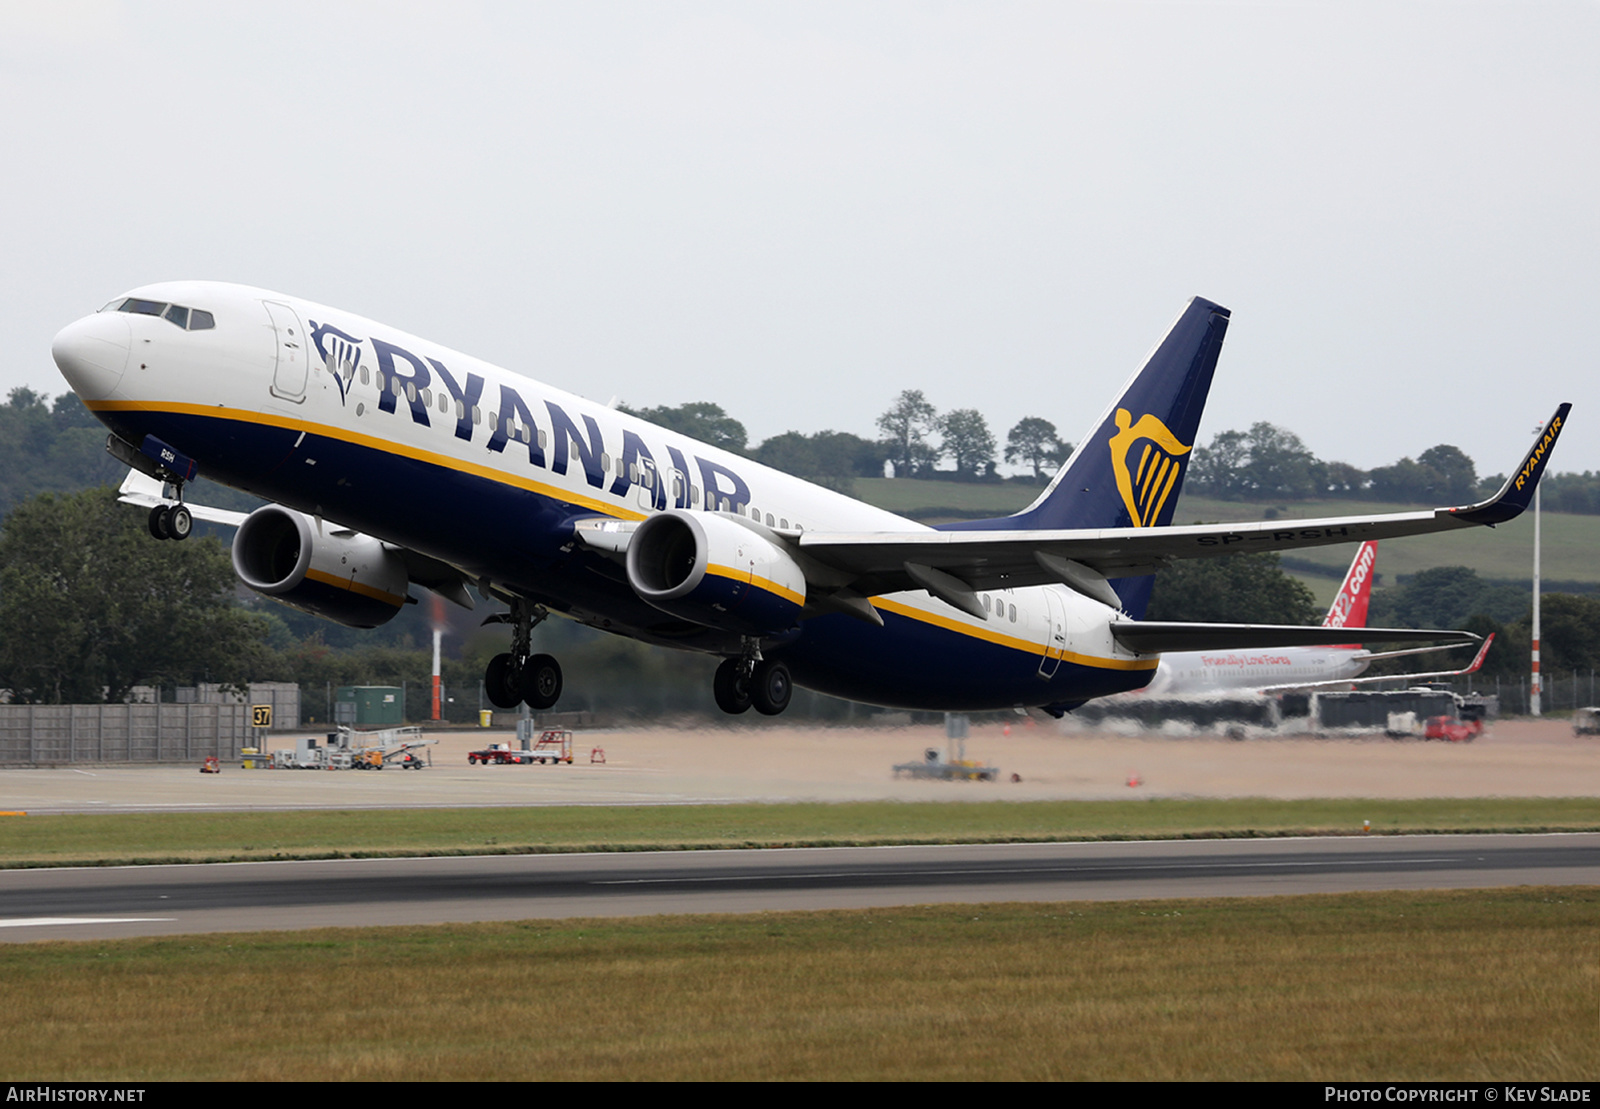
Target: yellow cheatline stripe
x,y
1024,645
386,446
355,587
749,577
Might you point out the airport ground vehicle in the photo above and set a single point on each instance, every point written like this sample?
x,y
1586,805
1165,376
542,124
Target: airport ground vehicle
x,y
554,745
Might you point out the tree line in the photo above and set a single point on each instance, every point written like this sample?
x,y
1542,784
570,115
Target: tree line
x,y
1269,463
91,606
58,446
914,439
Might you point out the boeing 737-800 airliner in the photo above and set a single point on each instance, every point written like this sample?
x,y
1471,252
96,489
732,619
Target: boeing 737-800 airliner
x,y
394,462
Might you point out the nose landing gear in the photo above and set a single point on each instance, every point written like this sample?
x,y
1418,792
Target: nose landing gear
x,y
171,521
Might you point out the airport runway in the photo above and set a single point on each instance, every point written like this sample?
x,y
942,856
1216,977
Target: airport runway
x,y
94,903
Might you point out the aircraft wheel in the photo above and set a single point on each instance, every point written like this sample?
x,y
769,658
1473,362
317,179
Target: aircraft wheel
x,y
499,681
732,692
160,522
180,524
540,682
771,687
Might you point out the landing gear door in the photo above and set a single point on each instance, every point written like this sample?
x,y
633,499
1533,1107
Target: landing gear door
x,y
289,376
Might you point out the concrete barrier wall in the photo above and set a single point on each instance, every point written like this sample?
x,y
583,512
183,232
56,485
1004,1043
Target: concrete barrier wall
x,y
52,735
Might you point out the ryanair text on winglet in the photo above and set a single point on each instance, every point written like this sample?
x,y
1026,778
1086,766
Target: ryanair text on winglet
x,y
1536,456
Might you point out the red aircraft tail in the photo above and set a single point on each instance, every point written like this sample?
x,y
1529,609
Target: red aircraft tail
x,y
1349,608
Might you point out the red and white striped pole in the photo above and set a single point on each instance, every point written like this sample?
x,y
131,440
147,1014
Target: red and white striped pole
x,y
438,632
1533,699
436,672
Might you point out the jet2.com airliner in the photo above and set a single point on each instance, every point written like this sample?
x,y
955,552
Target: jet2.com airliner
x,y
391,462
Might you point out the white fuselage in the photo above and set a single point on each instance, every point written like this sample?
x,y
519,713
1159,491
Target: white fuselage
x,y
1199,672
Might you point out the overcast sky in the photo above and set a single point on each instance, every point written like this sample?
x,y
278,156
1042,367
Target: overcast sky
x,y
798,210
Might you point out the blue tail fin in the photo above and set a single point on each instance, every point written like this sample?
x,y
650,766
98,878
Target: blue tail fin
x,y
1129,470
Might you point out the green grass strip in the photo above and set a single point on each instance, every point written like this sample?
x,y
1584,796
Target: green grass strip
x,y
1485,985
111,839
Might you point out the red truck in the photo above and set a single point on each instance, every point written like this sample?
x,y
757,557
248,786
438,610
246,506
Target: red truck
x,y
554,745
1456,731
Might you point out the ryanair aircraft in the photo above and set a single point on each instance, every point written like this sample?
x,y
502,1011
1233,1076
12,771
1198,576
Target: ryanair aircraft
x,y
394,462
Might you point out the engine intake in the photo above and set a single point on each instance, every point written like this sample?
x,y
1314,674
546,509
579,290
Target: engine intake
x,y
712,570
343,576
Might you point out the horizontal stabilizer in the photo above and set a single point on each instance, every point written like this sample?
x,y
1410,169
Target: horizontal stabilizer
x,y
1151,637
1471,668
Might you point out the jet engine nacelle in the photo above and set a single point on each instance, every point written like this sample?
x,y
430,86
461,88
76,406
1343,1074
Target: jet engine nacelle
x,y
344,576
714,571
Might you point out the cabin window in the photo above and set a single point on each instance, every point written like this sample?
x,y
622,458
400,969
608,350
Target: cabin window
x,y
411,392
1013,614
544,440
382,382
363,375
769,519
605,462
986,602
784,524
477,415
427,398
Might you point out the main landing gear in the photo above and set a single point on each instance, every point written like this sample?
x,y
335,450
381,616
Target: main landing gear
x,y
519,675
751,681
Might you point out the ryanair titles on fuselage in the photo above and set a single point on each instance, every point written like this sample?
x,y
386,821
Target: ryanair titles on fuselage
x,y
400,373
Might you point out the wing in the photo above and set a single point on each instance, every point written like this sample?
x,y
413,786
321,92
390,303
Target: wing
x,y
964,561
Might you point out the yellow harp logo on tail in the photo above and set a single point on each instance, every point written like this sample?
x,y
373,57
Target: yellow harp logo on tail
x,y
1147,459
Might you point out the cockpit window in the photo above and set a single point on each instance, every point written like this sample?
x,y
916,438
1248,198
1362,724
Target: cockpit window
x,y
190,319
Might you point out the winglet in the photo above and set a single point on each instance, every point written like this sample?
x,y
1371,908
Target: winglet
x,y
1517,493
1483,653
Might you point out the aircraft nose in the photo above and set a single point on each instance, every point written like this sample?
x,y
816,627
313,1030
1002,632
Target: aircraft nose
x,y
92,354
